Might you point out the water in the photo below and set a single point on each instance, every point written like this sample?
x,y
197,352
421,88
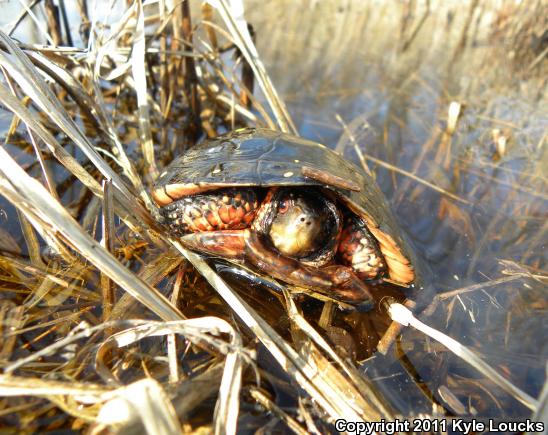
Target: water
x,y
345,64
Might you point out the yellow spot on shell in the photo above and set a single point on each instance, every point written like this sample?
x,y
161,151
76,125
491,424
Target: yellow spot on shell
x,y
288,174
216,170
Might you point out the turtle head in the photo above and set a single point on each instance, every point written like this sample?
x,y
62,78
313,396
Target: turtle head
x,y
297,226
303,224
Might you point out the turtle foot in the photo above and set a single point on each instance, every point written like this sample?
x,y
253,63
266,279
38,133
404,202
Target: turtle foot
x,y
347,286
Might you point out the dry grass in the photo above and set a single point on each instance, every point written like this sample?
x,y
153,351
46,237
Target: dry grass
x,y
105,321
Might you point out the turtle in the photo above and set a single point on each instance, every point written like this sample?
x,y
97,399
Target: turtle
x,y
289,207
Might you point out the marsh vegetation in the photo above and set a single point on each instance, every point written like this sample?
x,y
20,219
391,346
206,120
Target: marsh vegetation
x,y
105,320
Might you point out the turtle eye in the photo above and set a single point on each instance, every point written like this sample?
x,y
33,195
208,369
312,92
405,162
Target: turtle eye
x,y
284,206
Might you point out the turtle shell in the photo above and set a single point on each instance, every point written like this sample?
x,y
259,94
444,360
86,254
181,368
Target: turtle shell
x,y
266,158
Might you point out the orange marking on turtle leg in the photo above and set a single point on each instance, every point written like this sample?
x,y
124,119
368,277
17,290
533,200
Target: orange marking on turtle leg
x,y
226,244
263,210
202,224
213,219
233,213
208,212
248,218
224,214
212,205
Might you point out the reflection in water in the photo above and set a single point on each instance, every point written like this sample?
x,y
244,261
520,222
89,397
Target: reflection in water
x,y
380,87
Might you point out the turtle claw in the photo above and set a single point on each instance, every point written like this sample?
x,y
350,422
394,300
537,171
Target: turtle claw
x,y
347,286
226,244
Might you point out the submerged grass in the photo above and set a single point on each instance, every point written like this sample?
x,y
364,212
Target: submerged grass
x,y
105,321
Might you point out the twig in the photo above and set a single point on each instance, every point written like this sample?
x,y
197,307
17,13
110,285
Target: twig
x,y
417,179
107,241
139,74
36,21
45,171
233,17
480,286
63,11
247,77
22,16
417,29
52,16
305,371
392,332
401,314
190,80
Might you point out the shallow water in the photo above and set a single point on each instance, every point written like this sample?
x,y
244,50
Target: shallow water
x,y
344,63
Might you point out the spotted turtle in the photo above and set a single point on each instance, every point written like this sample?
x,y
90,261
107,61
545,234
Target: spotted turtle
x,y
291,208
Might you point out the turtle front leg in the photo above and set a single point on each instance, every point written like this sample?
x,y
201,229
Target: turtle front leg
x,y
337,281
225,209
359,250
